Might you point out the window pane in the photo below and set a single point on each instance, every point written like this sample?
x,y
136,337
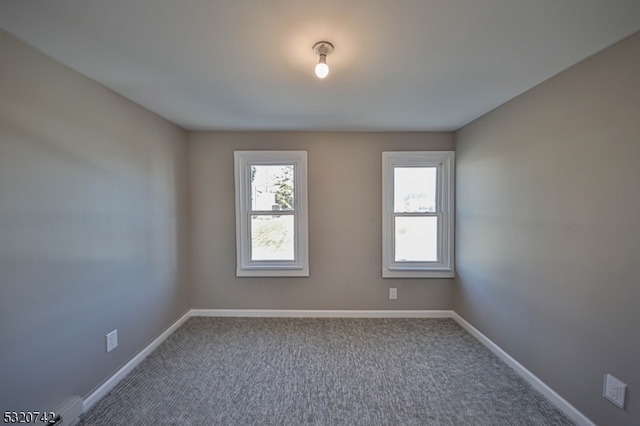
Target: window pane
x,y
414,189
272,187
272,237
416,239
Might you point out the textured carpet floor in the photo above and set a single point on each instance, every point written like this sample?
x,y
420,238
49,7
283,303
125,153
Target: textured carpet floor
x,y
323,371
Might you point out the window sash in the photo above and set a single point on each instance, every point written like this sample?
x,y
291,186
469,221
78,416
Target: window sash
x,y
438,245
252,252
436,194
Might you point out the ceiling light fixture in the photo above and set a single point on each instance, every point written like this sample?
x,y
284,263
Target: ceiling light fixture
x,y
322,49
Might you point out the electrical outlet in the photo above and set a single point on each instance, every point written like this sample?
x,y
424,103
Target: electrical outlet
x,y
614,390
112,340
393,293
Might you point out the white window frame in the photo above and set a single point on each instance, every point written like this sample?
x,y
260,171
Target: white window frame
x,y
245,267
444,162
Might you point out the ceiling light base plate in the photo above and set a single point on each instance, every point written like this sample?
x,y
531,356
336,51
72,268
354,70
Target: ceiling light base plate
x,y
323,48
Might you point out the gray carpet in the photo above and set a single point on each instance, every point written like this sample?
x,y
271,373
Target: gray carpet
x,y
323,371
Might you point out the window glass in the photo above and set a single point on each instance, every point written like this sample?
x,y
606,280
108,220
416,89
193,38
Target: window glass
x,y
416,239
272,187
272,237
414,189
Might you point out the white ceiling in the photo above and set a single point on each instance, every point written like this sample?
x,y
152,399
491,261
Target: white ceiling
x,y
248,64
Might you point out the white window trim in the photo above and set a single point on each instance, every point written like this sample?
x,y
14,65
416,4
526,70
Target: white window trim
x,y
245,267
445,162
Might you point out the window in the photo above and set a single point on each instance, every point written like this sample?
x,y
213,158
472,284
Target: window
x,y
271,213
417,214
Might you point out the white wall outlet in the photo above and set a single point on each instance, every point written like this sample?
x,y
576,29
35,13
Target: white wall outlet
x,y
393,293
614,390
112,340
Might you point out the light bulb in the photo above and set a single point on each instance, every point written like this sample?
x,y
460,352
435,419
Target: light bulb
x,y
322,49
322,69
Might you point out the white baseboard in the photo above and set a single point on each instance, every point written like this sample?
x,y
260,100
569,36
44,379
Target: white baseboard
x,y
91,399
289,313
553,396
538,384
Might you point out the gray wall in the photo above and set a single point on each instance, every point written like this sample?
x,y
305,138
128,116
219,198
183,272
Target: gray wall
x,y
548,237
345,228
90,229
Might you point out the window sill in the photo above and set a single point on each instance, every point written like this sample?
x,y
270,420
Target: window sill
x,y
403,273
272,272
